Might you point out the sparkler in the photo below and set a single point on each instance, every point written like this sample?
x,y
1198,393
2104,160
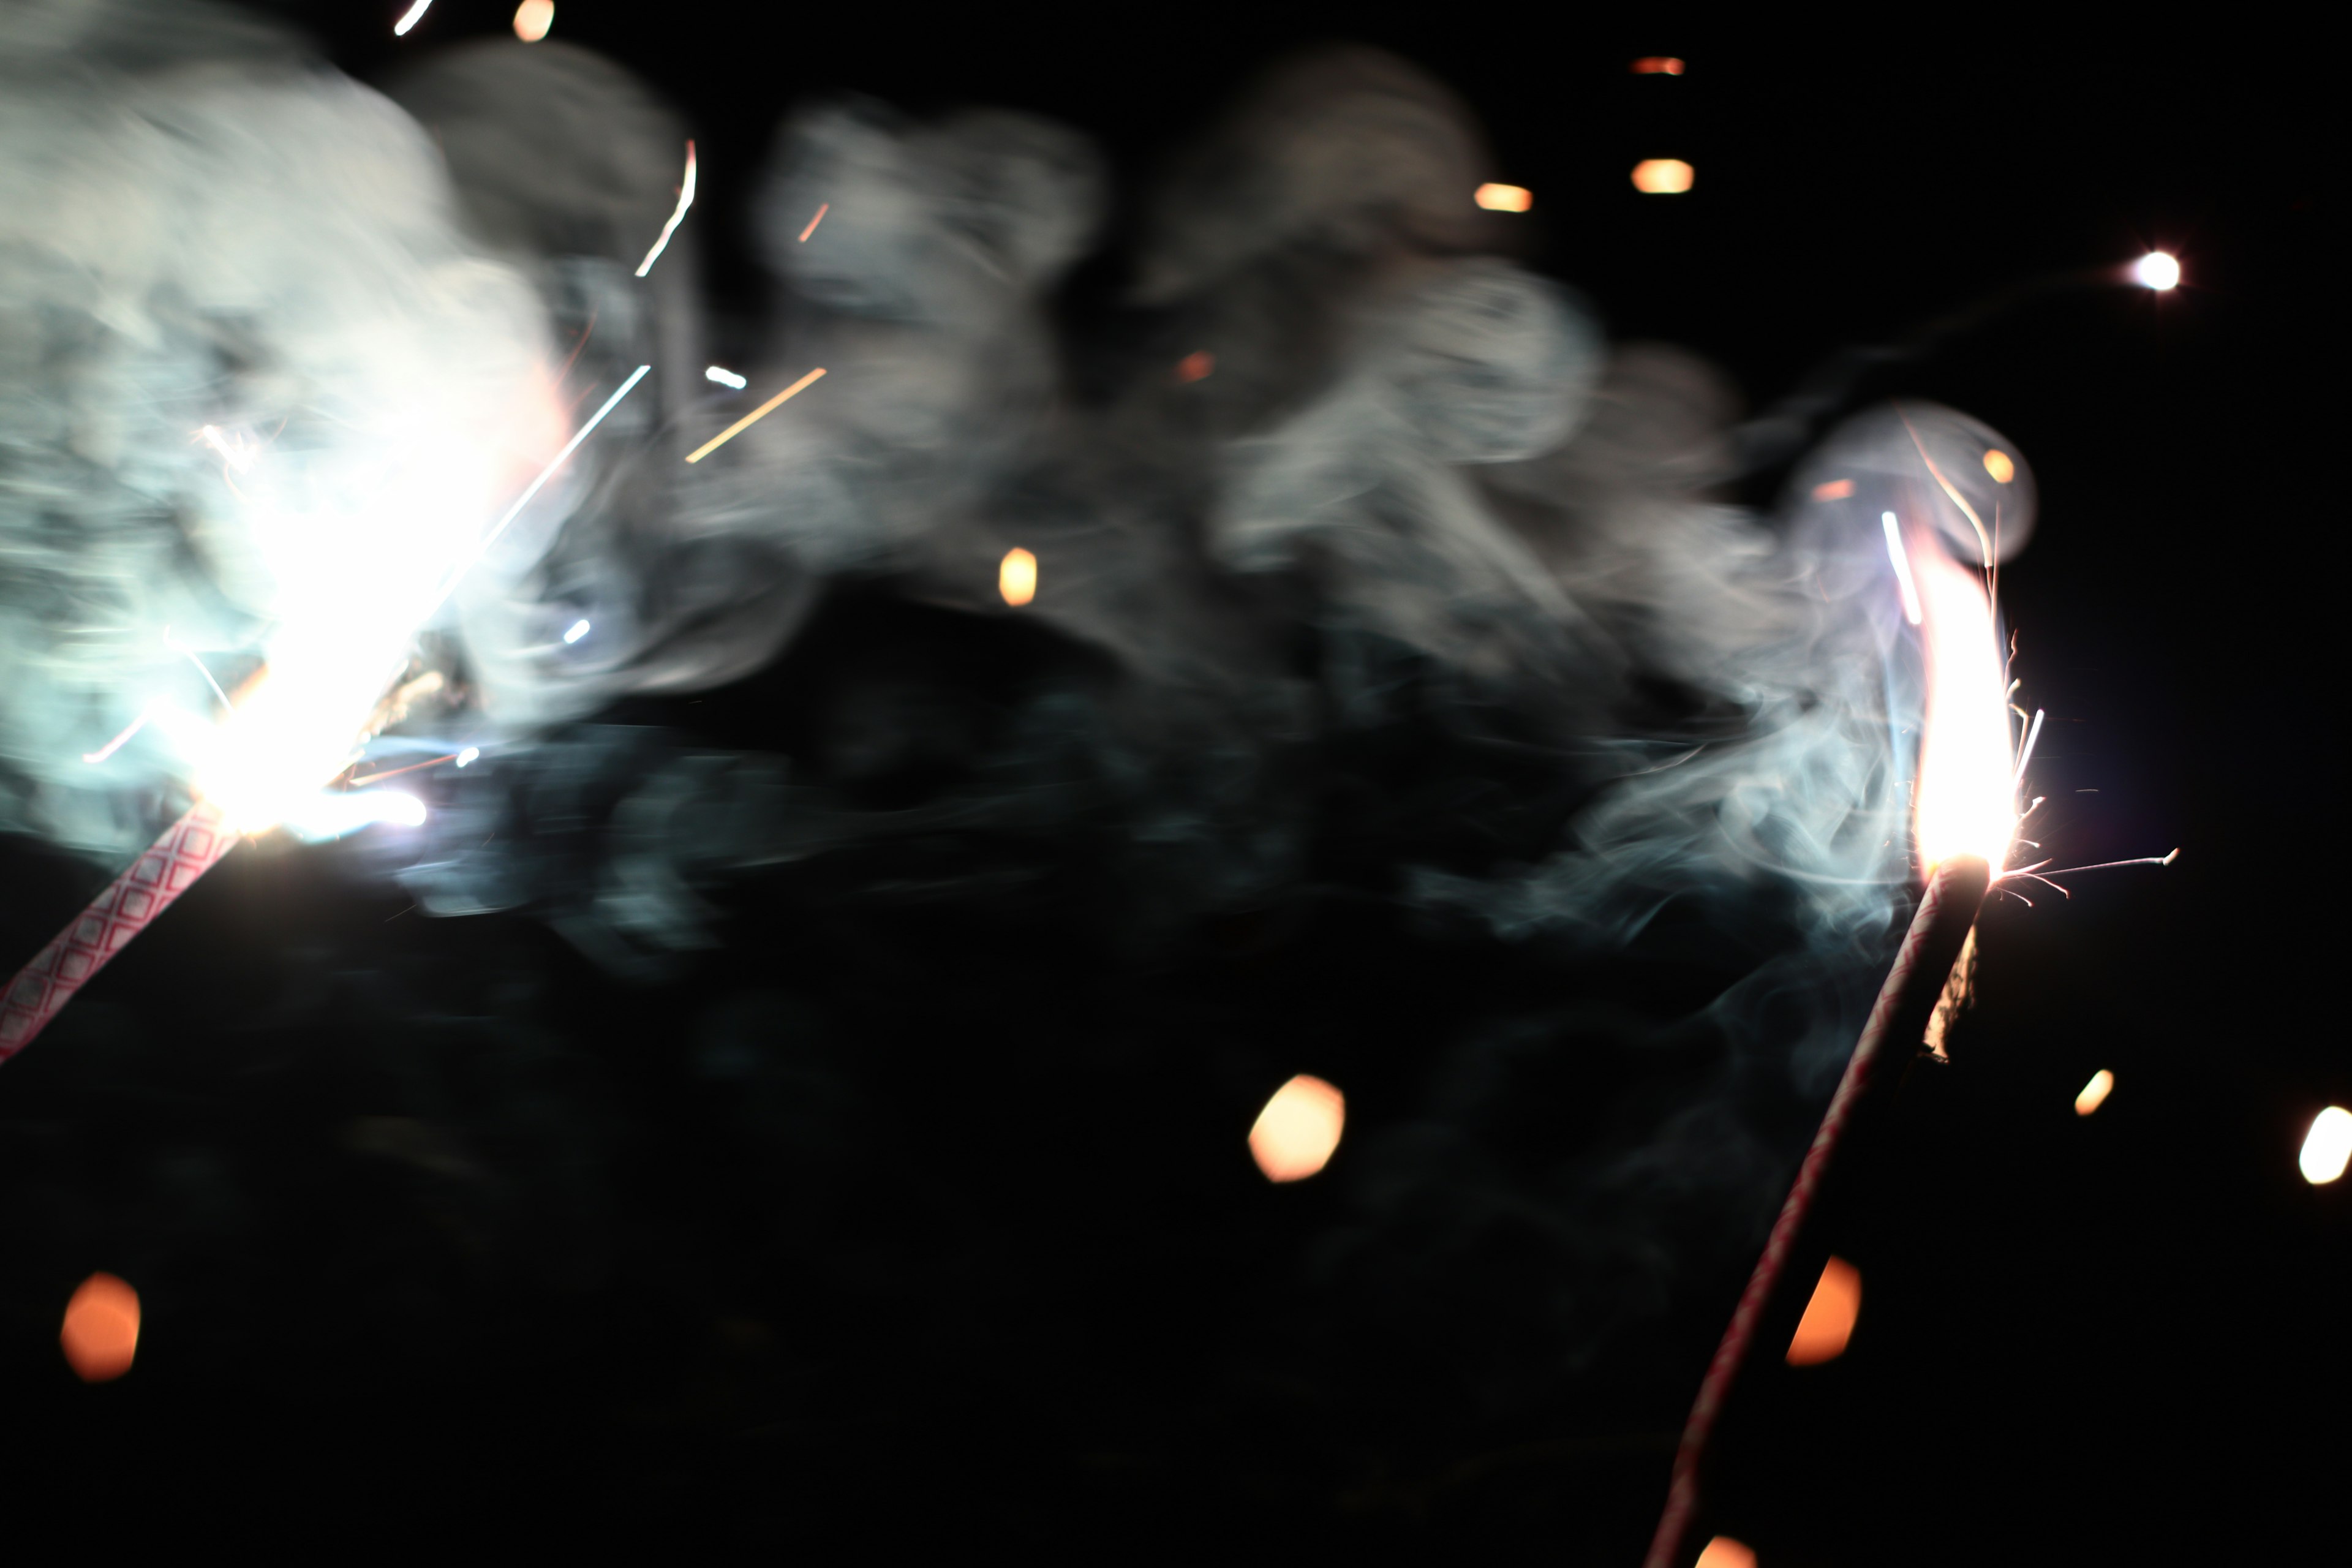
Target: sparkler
x,y
256,767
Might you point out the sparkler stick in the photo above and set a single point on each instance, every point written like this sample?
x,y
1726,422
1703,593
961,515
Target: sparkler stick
x,y
167,868
1897,1022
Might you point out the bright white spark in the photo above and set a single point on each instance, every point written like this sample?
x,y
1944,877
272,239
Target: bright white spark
x,y
234,449
416,13
334,814
1894,552
684,200
2327,1147
467,755
725,377
575,631
2157,271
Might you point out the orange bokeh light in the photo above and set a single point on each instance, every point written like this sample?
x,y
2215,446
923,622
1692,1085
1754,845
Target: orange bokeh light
x,y
1829,1317
102,1330
1836,489
2094,1093
1016,577
1504,198
1196,366
1663,177
1725,1552
532,19
1299,1129
1657,65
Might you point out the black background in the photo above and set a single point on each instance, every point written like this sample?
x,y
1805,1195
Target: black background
x,y
2084,1340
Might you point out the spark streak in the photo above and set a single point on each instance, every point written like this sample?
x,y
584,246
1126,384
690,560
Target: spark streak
x,y
116,744
749,419
416,15
1894,552
677,214
822,208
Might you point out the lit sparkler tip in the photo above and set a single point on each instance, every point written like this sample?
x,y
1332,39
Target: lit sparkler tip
x,y
677,214
725,377
2157,271
415,14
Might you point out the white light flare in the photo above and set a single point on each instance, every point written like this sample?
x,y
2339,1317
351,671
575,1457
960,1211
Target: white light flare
x,y
2327,1147
575,631
725,377
468,754
416,15
2094,1093
1298,1131
2157,271
1965,802
677,214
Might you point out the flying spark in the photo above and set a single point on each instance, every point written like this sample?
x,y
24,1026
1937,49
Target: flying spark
x,y
725,377
1016,577
1295,1135
677,214
101,1336
2327,1147
575,631
2094,1093
416,15
1663,177
1504,198
467,755
749,419
822,208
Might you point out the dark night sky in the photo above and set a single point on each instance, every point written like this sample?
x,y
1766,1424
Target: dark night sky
x,y
2084,1340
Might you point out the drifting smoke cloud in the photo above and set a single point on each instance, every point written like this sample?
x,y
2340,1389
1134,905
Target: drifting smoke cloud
x,y
1422,599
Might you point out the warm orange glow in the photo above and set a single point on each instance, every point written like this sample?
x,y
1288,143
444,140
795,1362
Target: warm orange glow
x,y
1016,577
1725,1552
1504,198
1299,1129
1966,798
822,208
1657,65
1196,366
1998,464
532,19
102,1332
1828,1322
2094,1093
1663,177
1836,489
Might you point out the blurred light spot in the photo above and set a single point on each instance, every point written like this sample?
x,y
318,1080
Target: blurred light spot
x,y
1016,576
1662,177
725,377
1997,465
2156,270
1725,1552
1196,366
1828,1322
335,813
468,754
400,807
415,14
575,631
1657,65
533,19
1295,1134
1836,489
2327,1146
2094,1093
1504,198
102,1332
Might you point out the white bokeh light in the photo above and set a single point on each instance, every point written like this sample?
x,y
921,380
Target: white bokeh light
x,y
2156,270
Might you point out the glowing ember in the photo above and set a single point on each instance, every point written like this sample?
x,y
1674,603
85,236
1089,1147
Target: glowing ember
x,y
822,208
1504,198
1828,1322
1299,1129
2327,1146
1725,1552
1016,577
1835,489
725,377
416,15
102,1330
685,189
2094,1093
751,419
1663,177
2157,271
1658,64
1965,800
1196,366
532,19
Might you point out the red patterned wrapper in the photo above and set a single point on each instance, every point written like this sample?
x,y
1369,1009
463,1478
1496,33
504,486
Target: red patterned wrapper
x,y
1895,1029
167,868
